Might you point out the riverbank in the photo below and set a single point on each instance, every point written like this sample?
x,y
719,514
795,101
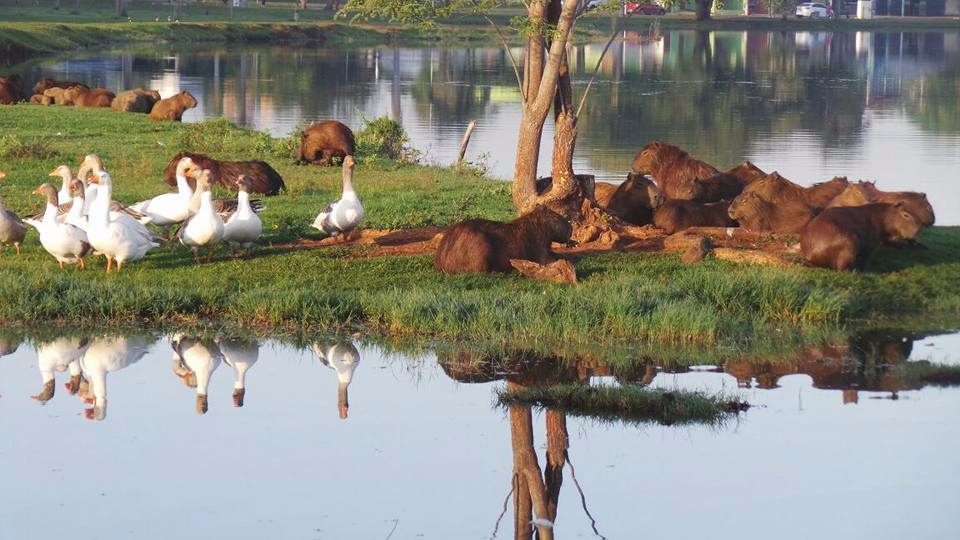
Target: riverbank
x,y
620,298
29,29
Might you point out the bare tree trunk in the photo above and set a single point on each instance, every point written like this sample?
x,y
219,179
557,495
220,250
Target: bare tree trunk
x,y
530,495
537,103
702,10
557,444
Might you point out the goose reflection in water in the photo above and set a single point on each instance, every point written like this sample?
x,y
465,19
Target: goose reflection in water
x,y
9,343
194,361
241,355
106,355
59,355
343,358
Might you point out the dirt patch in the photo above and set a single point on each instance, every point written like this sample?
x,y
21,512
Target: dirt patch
x,y
728,243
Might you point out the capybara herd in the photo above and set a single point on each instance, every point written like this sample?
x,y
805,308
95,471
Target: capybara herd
x,y
840,223
48,91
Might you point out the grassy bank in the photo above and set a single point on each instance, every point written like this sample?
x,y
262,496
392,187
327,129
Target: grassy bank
x,y
622,297
28,29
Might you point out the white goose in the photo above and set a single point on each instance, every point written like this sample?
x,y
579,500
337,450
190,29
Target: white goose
x,y
342,358
60,355
205,228
342,216
63,172
66,242
195,360
91,164
74,215
170,208
242,227
241,355
119,239
12,229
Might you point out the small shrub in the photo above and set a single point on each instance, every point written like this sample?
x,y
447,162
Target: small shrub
x,y
385,137
289,146
206,136
11,147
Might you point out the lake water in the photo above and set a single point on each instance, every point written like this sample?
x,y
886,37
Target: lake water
x,y
851,440
812,105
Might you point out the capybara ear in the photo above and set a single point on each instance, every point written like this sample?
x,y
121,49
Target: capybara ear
x,y
898,204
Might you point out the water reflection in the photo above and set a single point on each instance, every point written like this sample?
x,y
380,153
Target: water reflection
x,y
194,361
240,354
811,105
342,357
107,355
59,355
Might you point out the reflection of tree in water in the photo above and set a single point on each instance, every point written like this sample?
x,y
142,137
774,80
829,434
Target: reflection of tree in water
x,y
457,86
718,91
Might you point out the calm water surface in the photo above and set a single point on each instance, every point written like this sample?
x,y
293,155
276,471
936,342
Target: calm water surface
x,y
812,105
844,441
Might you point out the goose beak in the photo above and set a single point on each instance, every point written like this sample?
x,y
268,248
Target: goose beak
x,y
95,179
238,397
2,175
343,411
53,173
202,404
37,192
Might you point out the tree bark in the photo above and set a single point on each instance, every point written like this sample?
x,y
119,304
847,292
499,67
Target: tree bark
x,y
702,10
557,444
537,103
530,500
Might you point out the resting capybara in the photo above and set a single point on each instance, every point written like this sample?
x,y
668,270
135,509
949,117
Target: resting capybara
x,y
751,211
670,166
861,193
41,99
747,173
843,238
46,82
137,100
777,189
721,186
11,90
481,245
677,215
172,108
265,179
58,95
322,141
89,97
632,201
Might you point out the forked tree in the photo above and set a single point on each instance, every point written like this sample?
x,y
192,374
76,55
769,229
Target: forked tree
x,y
544,83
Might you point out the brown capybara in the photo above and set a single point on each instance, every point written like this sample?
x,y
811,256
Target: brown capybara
x,y
137,100
670,166
753,212
323,141
172,108
481,245
89,97
41,99
861,193
11,90
777,189
747,173
633,201
264,178
843,238
58,95
677,215
719,187
689,189
46,82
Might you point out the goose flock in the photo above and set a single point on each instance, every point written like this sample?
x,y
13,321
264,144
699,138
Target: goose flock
x,y
81,218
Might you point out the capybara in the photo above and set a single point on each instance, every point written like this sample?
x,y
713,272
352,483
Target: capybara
x,y
719,187
777,189
753,212
322,141
843,238
481,245
58,95
89,97
632,201
11,90
172,108
46,82
137,100
41,99
264,178
747,173
670,166
861,193
677,215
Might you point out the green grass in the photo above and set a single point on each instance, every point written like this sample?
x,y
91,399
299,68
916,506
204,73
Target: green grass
x,y
628,403
622,298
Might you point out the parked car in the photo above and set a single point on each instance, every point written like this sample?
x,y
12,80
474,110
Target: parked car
x,y
645,8
814,10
